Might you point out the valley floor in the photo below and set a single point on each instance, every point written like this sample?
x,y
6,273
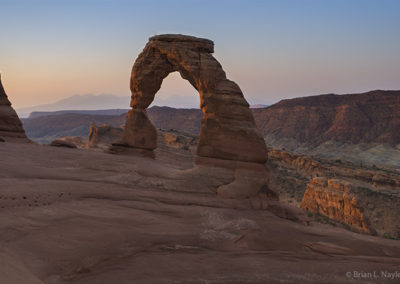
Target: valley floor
x,y
80,216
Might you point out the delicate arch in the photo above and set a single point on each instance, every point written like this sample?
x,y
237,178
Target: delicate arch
x,y
228,130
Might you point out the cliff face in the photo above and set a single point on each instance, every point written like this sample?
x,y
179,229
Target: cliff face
x,y
328,188
312,167
336,200
372,117
10,126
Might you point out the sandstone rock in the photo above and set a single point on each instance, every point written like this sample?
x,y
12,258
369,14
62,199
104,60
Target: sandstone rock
x,y
247,183
176,140
87,217
376,190
248,180
10,126
372,117
62,143
103,136
228,129
78,141
139,131
335,199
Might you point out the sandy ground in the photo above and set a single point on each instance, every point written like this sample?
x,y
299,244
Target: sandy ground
x,y
80,216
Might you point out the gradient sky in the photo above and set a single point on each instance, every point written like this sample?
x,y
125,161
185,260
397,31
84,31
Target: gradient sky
x,y
52,49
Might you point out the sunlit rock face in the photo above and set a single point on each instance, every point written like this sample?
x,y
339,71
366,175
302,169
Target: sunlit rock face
x,y
336,200
228,130
10,126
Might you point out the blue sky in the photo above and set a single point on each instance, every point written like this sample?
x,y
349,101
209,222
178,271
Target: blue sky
x,y
273,49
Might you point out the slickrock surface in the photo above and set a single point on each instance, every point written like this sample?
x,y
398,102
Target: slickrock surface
x,y
10,126
228,130
335,199
80,216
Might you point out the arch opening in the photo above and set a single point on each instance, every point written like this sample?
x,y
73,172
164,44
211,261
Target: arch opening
x,y
227,131
176,92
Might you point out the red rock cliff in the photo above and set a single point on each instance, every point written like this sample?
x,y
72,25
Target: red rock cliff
x,y
372,117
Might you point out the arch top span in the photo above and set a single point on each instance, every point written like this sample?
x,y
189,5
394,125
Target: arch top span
x,y
228,130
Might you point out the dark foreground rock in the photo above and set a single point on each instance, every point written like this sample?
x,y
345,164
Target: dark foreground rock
x,y
10,126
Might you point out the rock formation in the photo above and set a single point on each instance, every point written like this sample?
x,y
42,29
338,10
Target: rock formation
x,y
63,143
10,126
376,190
228,130
103,136
354,118
176,140
335,199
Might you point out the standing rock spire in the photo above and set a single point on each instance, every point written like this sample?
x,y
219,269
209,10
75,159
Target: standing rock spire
x,y
11,128
3,95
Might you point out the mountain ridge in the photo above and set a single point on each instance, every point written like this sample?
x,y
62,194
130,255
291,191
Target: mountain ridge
x,y
80,102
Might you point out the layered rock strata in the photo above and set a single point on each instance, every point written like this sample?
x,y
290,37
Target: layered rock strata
x,y
335,199
372,117
377,190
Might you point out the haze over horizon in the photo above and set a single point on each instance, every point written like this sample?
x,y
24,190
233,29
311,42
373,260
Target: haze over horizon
x,y
273,49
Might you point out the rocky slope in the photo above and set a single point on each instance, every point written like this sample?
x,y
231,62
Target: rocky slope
x,y
80,216
372,117
357,127
377,191
336,200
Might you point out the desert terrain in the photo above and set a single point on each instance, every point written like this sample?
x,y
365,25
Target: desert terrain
x,y
81,216
143,202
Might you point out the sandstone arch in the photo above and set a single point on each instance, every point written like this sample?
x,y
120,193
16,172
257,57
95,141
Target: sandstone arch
x,y
228,130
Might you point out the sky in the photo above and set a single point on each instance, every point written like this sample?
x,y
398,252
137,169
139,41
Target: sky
x,y
273,49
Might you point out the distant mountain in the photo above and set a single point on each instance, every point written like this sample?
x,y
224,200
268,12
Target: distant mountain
x,y
80,102
102,103
44,127
37,114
